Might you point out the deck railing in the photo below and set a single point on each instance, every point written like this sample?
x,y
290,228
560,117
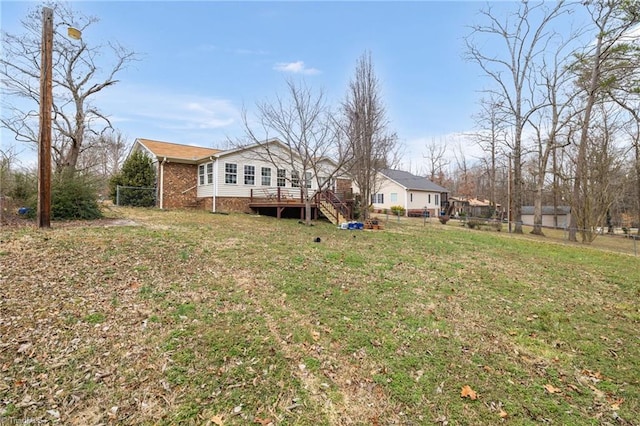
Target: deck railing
x,y
336,201
277,195
341,206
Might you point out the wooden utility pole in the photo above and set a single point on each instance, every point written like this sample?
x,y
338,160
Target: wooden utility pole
x,y
46,103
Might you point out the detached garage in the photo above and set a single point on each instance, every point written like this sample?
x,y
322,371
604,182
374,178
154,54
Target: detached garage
x,y
562,213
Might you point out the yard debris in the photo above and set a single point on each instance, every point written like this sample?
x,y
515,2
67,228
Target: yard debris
x,y
467,392
552,389
217,420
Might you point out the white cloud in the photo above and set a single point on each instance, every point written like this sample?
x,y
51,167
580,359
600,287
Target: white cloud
x,y
155,112
297,67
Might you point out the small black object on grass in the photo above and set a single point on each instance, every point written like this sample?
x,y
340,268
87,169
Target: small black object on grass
x,y
316,240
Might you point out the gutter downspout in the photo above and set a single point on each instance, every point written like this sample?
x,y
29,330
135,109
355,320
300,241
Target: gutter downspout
x,y
164,160
215,184
406,202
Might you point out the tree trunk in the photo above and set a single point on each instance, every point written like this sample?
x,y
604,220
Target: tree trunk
x,y
517,178
637,147
307,207
577,201
537,209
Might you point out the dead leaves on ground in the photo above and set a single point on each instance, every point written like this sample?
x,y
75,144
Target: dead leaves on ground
x,y
467,392
552,389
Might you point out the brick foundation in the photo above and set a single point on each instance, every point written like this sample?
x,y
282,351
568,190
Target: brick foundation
x,y
231,204
179,182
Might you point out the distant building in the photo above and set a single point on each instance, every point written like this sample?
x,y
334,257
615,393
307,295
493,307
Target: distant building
x,y
562,213
416,194
473,207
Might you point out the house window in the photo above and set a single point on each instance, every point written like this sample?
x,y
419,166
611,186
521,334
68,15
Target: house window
x,y
437,198
295,179
307,178
266,176
209,173
394,197
377,199
325,182
411,197
201,174
282,177
429,198
230,173
249,175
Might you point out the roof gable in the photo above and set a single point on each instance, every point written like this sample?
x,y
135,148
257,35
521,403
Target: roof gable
x,y
176,151
412,182
253,146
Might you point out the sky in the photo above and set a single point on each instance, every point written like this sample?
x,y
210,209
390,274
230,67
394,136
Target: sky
x,y
201,62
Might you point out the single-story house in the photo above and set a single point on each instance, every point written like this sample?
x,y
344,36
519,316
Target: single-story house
x,y
549,215
473,207
242,179
414,193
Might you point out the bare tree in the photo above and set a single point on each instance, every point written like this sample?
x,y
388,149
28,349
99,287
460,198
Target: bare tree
x,y
303,123
436,160
465,172
633,131
103,154
623,88
603,170
525,38
491,138
613,20
365,125
556,87
77,77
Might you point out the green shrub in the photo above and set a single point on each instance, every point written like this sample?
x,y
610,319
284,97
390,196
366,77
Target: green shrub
x,y
397,210
24,186
473,223
137,172
73,196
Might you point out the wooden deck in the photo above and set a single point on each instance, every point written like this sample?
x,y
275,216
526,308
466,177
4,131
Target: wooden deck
x,y
281,199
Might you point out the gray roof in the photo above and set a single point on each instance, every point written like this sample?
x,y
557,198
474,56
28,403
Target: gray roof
x,y
412,182
547,210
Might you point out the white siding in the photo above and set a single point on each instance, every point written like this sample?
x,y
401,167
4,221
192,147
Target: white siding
x,y
547,220
252,158
404,199
205,190
387,187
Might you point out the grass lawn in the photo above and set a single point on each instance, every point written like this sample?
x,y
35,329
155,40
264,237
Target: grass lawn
x,y
178,317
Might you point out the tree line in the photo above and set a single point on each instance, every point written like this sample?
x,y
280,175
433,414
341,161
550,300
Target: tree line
x,y
558,123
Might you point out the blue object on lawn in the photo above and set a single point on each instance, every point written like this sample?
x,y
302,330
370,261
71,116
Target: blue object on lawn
x,y
24,210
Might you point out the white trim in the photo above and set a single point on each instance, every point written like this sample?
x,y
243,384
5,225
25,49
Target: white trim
x,y
162,183
216,162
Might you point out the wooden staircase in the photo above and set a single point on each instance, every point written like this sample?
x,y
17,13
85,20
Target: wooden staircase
x,y
334,209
